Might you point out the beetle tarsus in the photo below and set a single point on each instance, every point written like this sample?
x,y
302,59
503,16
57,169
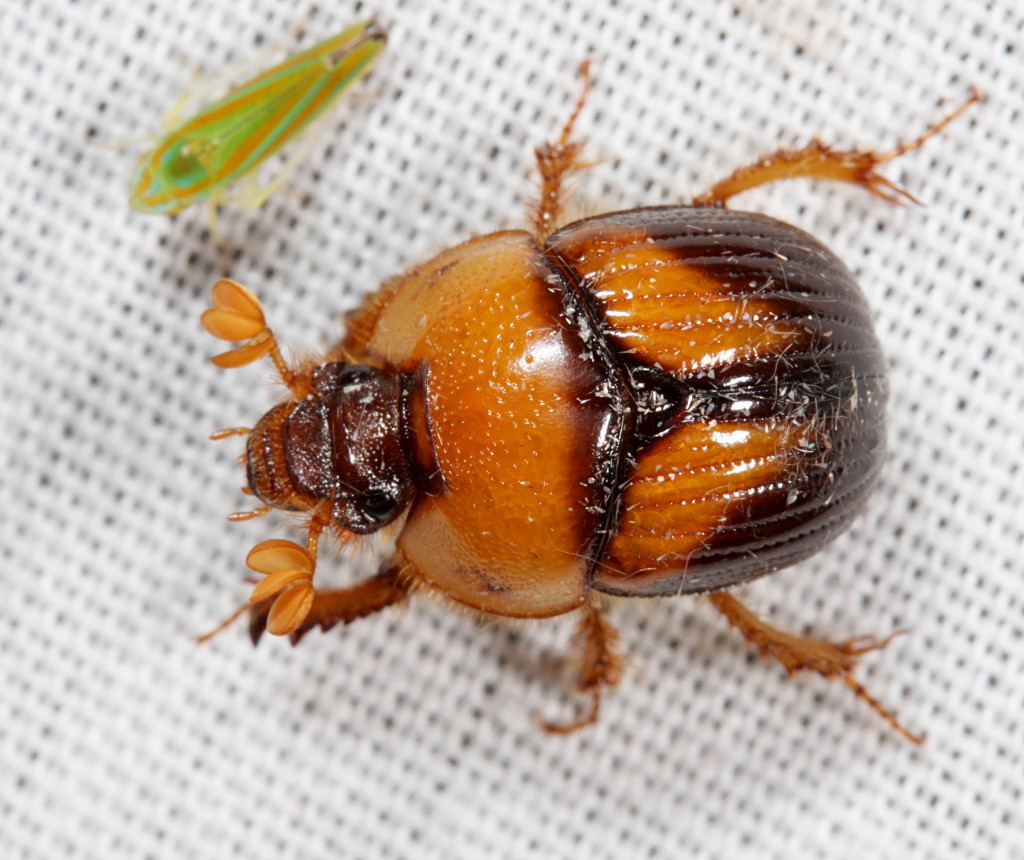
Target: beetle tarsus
x,y
587,719
600,665
810,654
556,162
819,161
861,693
227,622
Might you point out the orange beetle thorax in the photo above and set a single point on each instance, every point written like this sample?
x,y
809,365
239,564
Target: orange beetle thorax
x,y
342,442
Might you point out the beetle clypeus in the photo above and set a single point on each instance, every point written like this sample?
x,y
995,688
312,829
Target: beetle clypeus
x,y
667,400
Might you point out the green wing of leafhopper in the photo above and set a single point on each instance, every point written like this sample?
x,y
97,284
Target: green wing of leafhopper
x,y
231,137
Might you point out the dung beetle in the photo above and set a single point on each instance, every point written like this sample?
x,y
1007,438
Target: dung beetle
x,y
666,400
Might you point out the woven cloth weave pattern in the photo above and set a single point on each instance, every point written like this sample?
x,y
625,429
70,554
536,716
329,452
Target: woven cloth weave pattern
x,y
412,733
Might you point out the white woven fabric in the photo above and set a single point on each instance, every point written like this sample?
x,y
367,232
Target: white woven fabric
x,y
411,734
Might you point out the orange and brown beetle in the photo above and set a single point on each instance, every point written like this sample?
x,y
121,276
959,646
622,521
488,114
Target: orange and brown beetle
x,y
661,401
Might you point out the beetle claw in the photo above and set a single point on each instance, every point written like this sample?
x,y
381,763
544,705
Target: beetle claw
x,y
587,719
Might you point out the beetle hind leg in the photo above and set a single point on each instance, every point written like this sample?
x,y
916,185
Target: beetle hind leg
x,y
810,654
818,161
600,665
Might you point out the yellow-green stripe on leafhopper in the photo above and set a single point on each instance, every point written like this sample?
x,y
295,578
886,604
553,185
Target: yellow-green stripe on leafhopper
x,y
199,158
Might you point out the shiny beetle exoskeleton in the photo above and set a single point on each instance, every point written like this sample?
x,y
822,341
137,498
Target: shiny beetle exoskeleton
x,y
670,400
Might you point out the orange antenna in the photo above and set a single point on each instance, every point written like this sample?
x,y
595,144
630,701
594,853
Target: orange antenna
x,y
237,315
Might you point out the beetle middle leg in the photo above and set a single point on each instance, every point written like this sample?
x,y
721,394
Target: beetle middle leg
x,y
600,665
819,161
556,161
808,653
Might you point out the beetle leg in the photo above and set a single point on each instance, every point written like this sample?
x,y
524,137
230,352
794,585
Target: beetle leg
x,y
557,161
807,653
287,600
333,606
227,622
600,665
818,161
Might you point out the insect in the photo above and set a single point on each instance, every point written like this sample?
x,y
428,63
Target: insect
x,y
661,401
199,158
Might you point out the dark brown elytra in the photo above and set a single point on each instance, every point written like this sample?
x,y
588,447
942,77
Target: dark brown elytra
x,y
815,372
669,400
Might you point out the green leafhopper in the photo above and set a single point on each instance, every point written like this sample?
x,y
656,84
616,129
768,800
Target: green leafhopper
x,y
199,158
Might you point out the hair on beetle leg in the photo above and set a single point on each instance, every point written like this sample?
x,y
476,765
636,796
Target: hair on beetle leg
x,y
557,162
809,654
817,160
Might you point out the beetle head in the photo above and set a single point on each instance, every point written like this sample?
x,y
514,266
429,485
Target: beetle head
x,y
342,442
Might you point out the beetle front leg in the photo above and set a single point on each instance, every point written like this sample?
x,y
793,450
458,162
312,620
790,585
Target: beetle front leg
x,y
600,665
333,606
818,161
809,654
329,606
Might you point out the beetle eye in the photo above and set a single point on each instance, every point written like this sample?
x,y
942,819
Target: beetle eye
x,y
378,506
352,375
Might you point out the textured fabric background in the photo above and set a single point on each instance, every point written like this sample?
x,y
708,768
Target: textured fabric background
x,y
412,734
